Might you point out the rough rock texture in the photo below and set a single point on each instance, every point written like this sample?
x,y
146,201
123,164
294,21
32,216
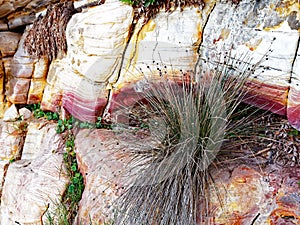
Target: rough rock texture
x,y
101,70
26,77
262,31
96,40
11,140
166,44
2,88
102,65
99,164
9,43
20,13
243,194
293,106
37,181
253,196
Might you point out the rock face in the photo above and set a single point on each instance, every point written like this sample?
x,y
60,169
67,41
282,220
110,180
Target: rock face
x,y
102,65
250,196
263,31
239,194
25,77
96,41
293,106
99,163
109,59
37,181
9,43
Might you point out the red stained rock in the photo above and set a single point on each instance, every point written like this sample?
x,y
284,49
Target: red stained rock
x,y
293,108
267,96
18,90
98,162
82,108
121,100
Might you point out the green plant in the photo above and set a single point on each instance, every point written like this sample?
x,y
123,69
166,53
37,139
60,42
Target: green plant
x,y
98,124
65,124
293,132
66,210
76,186
39,113
59,216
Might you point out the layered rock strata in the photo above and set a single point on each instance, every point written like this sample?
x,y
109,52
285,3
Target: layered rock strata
x,y
109,58
103,65
26,77
96,41
31,186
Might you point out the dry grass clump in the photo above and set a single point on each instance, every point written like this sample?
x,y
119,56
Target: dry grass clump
x,y
191,120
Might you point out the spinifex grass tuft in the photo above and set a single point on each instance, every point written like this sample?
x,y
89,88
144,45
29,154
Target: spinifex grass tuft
x,y
194,118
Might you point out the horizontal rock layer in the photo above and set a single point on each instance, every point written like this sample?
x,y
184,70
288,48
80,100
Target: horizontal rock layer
x,y
262,34
78,82
25,76
265,35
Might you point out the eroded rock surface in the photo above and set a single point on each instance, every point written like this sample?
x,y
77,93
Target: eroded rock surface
x,y
239,194
36,182
107,61
96,41
100,159
263,32
101,63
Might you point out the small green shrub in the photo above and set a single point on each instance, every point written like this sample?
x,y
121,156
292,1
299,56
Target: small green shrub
x,y
39,113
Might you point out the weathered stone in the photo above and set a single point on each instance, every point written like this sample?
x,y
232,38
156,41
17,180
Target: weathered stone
x,y
34,140
12,136
19,71
3,105
166,45
7,6
84,99
38,81
293,103
20,18
96,42
17,90
25,113
9,43
22,64
11,114
3,25
7,66
51,100
3,169
35,93
237,194
41,69
100,162
33,185
2,76
257,32
97,38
